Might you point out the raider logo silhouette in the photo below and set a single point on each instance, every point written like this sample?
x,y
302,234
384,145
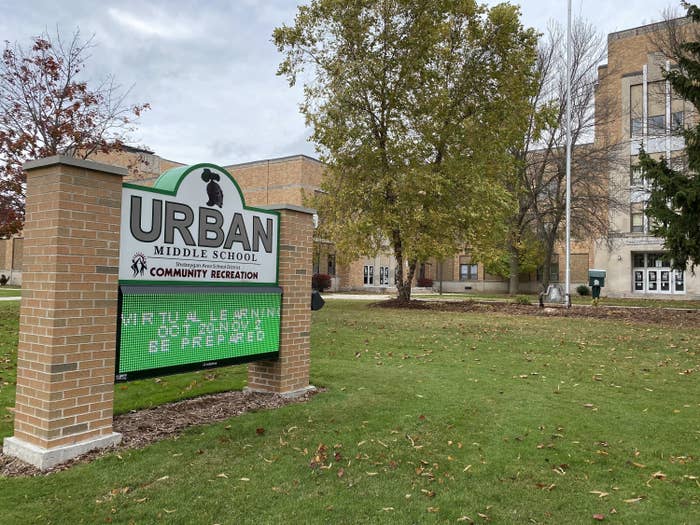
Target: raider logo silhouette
x,y
214,191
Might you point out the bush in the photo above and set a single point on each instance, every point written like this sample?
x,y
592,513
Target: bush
x,y
583,290
425,282
321,282
521,299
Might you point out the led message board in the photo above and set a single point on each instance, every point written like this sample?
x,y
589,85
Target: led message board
x,y
198,274
164,330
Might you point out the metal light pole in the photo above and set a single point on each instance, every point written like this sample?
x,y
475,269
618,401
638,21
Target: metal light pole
x,y
568,158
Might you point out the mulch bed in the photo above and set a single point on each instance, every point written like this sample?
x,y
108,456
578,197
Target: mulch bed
x,y
143,427
680,318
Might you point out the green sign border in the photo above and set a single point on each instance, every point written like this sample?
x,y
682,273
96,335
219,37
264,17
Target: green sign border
x,y
168,183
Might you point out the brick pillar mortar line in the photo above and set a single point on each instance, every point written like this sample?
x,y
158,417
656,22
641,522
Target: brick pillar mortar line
x,y
68,311
289,375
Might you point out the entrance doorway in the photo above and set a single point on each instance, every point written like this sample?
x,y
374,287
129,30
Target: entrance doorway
x,y
652,273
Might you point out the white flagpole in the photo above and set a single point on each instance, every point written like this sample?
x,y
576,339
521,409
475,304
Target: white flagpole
x,y
568,157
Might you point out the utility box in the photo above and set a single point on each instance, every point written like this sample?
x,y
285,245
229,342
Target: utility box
x,y
596,277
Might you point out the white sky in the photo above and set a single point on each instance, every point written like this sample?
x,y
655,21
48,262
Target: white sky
x,y
207,67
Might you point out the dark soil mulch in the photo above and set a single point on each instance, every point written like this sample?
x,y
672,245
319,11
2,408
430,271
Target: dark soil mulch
x,y
680,318
143,427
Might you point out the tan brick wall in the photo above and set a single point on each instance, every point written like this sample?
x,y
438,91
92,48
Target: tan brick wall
x,y
11,251
65,362
144,167
291,371
286,180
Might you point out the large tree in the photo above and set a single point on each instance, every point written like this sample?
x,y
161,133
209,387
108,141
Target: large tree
x,y
674,202
538,182
48,108
413,105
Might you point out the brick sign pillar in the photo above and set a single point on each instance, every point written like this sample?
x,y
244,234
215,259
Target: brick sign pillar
x,y
65,362
290,374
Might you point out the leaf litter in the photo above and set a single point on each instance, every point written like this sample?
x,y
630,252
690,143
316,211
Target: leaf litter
x,y
144,427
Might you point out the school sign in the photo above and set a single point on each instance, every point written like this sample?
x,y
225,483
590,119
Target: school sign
x,y
126,281
198,275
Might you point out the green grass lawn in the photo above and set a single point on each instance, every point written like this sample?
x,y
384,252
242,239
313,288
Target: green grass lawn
x,y
428,417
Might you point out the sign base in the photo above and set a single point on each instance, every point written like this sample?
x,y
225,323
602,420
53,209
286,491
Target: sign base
x,y
45,458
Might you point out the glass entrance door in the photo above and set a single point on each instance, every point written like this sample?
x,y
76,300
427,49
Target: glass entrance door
x,y
652,273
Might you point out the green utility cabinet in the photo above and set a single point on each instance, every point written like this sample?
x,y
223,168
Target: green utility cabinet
x,y
596,280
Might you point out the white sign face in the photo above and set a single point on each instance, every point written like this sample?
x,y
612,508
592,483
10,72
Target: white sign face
x,y
193,227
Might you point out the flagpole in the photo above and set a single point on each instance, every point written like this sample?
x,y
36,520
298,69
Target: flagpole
x,y
568,157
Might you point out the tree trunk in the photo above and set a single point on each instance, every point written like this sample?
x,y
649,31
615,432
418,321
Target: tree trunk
x,y
403,284
546,269
514,280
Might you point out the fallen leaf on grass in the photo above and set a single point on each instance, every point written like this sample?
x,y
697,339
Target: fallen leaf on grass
x,y
387,509
633,500
222,475
599,493
599,517
658,475
433,509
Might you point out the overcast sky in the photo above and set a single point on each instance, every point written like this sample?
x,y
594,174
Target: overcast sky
x,y
207,67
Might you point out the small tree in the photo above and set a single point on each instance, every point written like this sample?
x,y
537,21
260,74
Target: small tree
x,y
538,182
47,108
674,201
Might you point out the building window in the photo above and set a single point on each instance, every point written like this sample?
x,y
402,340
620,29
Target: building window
x,y
384,276
637,127
468,272
679,163
657,260
553,273
637,217
331,264
369,275
677,118
636,178
656,124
